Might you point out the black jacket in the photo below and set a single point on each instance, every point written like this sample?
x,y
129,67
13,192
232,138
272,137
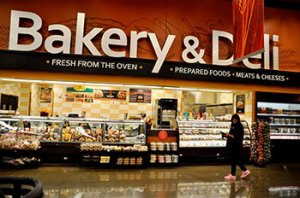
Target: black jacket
x,y
237,130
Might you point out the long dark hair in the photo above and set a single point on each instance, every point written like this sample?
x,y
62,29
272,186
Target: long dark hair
x,y
236,116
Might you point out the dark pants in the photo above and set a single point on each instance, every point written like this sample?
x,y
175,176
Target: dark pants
x,y
236,158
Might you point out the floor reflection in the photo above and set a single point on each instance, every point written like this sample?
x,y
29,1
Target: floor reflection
x,y
178,182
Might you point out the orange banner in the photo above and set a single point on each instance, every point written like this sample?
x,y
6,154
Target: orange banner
x,y
248,28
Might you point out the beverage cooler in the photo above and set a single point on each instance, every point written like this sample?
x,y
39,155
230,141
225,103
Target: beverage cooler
x,y
166,112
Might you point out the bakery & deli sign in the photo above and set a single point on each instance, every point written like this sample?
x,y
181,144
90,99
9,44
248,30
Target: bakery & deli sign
x,y
61,58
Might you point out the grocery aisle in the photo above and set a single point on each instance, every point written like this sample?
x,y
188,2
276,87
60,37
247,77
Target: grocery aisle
x,y
180,182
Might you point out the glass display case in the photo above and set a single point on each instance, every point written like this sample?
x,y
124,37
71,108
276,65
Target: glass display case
x,y
17,151
125,132
75,129
83,130
9,125
123,145
207,133
284,119
40,128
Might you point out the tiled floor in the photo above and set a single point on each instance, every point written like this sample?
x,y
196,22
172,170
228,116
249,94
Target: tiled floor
x,y
277,180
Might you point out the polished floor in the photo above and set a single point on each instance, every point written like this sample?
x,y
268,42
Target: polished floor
x,y
277,180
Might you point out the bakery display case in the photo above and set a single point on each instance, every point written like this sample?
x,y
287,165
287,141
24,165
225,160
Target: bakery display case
x,y
9,125
83,130
125,132
284,119
40,128
15,151
123,146
207,133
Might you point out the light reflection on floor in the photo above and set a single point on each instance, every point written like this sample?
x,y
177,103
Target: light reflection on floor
x,y
180,182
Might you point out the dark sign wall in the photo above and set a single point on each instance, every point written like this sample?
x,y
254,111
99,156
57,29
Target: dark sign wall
x,y
141,67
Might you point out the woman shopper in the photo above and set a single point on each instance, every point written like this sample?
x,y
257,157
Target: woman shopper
x,y
235,145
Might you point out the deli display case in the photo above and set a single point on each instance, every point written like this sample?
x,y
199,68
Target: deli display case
x,y
206,133
201,140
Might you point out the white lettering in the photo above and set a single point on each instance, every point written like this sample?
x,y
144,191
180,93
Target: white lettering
x,y
63,62
275,53
134,37
65,39
114,39
267,52
108,65
89,64
15,30
250,65
127,66
107,41
80,39
160,53
215,47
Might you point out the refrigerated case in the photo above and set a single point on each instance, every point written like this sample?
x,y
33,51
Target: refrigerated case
x,y
206,133
284,119
201,140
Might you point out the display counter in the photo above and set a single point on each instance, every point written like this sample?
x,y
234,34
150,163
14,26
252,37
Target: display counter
x,y
201,140
62,139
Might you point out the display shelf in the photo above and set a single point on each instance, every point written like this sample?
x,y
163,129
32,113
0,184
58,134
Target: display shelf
x,y
163,147
114,159
284,125
16,158
112,156
278,115
285,137
206,133
286,134
284,119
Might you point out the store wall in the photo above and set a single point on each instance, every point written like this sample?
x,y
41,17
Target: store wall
x,y
104,108
223,98
192,100
20,90
35,102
